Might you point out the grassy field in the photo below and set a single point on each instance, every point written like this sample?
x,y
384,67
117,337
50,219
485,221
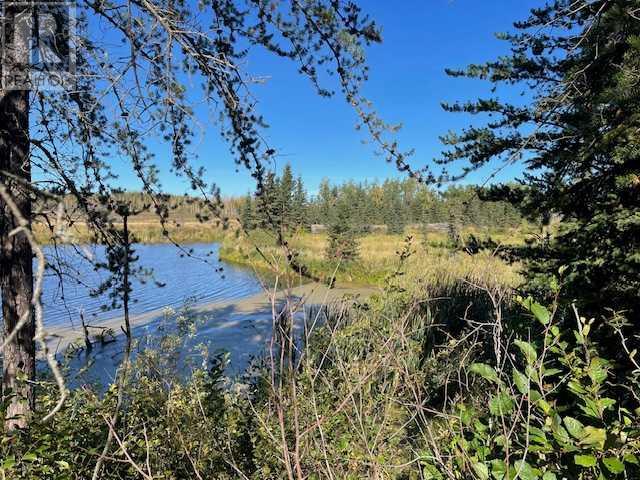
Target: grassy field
x,y
378,255
144,231
431,254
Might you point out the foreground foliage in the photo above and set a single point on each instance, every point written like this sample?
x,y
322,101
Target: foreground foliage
x,y
555,410
444,375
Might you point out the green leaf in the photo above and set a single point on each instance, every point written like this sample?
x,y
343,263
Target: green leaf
x,y
521,381
532,374
544,406
596,408
575,387
29,457
527,350
526,471
593,436
501,404
597,370
63,464
534,395
482,471
430,472
549,476
574,427
343,443
591,408
605,403
631,458
586,461
537,435
498,469
466,414
613,465
479,427
561,436
485,371
539,312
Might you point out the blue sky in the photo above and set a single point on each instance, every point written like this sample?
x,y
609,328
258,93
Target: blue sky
x,y
407,83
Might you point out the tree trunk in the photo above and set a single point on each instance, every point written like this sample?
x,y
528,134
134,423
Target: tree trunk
x,y
16,257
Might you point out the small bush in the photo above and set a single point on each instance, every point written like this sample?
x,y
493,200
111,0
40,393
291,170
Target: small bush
x,y
547,408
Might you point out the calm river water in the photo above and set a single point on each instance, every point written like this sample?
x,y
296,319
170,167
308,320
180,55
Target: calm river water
x,y
198,278
226,303
193,279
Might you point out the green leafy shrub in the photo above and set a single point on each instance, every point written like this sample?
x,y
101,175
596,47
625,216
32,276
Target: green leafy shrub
x,y
550,408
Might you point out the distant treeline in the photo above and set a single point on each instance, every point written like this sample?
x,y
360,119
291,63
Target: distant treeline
x,y
284,201
179,208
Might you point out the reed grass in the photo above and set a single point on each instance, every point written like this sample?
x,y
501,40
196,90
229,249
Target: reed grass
x,y
431,260
147,232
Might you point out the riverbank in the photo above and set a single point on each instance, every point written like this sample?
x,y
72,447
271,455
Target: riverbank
x,y
227,315
376,260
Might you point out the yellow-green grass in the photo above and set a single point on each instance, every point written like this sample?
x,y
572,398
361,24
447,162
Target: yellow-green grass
x,y
430,261
142,231
433,271
509,236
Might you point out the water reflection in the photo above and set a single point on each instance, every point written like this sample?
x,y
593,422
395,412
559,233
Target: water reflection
x,y
201,277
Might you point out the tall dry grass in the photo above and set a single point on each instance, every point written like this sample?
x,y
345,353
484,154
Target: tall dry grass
x,y
147,231
431,258
362,392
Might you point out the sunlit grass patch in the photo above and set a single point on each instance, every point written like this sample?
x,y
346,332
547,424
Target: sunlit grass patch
x,y
431,260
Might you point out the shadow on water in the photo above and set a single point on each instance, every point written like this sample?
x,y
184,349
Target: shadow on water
x,y
208,311
200,275
198,278
242,333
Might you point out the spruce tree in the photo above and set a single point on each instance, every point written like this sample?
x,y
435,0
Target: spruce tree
x,y
268,211
342,244
247,217
285,196
326,201
396,221
300,214
578,138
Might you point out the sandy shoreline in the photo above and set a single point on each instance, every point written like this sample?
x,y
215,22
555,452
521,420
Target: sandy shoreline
x,y
219,312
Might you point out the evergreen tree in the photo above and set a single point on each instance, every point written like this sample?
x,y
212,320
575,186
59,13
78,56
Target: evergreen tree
x,y
326,202
579,138
396,203
285,197
391,207
342,244
247,217
268,211
300,214
395,220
